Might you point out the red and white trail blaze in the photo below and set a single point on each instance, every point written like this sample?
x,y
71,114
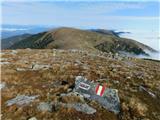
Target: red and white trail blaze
x,y
100,90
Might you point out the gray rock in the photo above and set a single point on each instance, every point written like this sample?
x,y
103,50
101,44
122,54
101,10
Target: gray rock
x,y
79,107
4,63
21,100
129,63
69,90
83,108
109,100
2,53
29,49
14,52
4,59
141,88
39,66
44,106
2,85
115,66
32,118
21,69
63,94
115,81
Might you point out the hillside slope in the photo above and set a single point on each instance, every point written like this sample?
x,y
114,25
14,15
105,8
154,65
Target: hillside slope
x,y
8,42
71,38
50,75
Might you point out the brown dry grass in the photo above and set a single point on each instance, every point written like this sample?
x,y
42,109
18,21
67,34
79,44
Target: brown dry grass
x,y
64,66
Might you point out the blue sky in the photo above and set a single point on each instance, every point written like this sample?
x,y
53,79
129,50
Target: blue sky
x,y
139,18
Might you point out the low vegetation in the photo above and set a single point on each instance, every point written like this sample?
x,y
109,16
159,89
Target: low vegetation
x,y
51,73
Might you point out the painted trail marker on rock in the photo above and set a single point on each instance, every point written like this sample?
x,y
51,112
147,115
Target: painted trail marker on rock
x,y
100,90
106,97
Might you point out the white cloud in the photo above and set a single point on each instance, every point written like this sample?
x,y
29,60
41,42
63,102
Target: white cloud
x,y
133,17
12,29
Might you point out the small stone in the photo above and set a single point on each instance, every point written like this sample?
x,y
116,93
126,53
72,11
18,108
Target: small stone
x,y
115,81
62,94
29,49
129,77
21,69
2,85
4,63
39,67
114,70
32,118
82,108
21,100
3,59
14,52
141,88
69,90
43,106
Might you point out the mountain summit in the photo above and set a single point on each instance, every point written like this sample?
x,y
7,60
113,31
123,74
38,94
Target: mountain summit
x,y
71,38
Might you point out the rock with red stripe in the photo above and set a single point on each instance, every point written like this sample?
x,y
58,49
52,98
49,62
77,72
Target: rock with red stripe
x,y
100,90
106,97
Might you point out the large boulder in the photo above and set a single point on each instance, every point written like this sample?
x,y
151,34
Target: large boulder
x,y
106,97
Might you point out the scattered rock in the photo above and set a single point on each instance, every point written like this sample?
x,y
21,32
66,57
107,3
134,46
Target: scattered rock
x,y
128,77
2,53
3,59
35,67
32,118
115,66
44,106
115,81
69,90
82,108
21,100
129,63
50,81
63,94
38,67
4,63
29,49
14,52
21,69
78,62
141,88
2,85
78,106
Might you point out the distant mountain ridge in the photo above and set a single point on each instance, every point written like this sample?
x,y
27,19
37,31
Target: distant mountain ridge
x,y
7,42
14,30
71,38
